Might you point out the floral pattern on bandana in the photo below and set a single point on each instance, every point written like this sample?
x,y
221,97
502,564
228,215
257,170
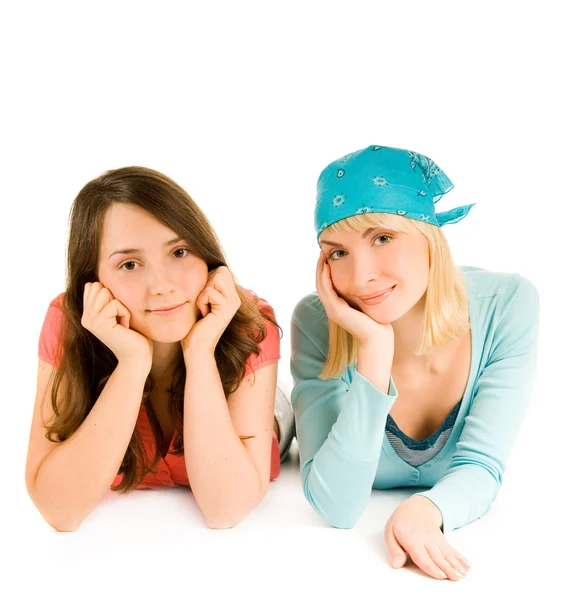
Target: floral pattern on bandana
x,y
386,180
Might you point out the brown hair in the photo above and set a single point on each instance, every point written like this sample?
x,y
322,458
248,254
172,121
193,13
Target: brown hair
x,y
86,363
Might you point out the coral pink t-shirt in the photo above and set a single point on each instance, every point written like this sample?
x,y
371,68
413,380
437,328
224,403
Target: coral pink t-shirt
x,y
170,470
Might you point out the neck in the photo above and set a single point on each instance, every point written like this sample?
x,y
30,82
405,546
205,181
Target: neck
x,y
407,336
164,359
407,333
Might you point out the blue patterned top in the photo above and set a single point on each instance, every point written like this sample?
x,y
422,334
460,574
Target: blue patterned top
x,y
418,452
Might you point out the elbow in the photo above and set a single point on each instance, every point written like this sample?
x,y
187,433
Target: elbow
x,y
54,517
61,523
64,527
226,517
338,518
222,523
333,513
343,521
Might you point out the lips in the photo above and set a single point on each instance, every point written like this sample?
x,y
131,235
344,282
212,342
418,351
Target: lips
x,y
165,308
377,294
378,298
167,311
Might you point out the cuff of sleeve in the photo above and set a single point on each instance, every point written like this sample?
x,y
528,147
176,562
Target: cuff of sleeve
x,y
452,502
392,390
360,426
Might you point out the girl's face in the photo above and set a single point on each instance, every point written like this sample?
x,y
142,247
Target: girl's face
x,y
382,272
147,267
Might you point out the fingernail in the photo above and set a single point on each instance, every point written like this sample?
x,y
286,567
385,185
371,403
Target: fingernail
x,y
396,562
460,574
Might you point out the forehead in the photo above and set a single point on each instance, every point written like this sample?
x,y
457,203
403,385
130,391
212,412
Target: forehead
x,y
130,226
340,236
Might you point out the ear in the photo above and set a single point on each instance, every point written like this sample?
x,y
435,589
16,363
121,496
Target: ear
x,y
454,215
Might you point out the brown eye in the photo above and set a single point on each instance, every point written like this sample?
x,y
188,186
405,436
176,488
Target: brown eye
x,y
184,250
125,266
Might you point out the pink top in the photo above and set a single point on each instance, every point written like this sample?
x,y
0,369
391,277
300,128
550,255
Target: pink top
x,y
171,469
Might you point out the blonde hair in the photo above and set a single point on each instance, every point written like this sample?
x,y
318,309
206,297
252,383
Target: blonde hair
x,y
446,300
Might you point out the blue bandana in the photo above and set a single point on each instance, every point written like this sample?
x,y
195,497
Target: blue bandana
x,y
384,180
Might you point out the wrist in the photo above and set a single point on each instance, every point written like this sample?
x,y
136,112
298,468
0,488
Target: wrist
x,y
434,511
375,365
198,352
135,367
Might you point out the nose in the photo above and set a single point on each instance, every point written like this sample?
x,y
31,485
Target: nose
x,y
160,284
364,271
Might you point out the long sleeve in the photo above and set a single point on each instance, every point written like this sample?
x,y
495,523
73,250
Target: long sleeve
x,y
339,423
501,393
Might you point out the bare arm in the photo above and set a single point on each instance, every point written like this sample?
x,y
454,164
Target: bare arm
x,y
66,480
228,476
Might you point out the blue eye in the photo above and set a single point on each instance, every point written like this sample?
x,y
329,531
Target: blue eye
x,y
333,256
379,237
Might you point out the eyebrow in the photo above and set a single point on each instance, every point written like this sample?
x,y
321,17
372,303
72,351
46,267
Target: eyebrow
x,y
364,235
138,251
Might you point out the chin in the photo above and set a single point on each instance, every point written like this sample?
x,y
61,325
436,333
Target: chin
x,y
167,335
384,316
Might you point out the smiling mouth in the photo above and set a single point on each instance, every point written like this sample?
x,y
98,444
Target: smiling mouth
x,y
377,298
169,310
377,295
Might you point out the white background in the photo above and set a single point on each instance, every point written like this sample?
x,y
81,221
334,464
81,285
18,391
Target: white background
x,y
243,103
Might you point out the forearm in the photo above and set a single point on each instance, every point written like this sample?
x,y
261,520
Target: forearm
x,y
375,363
463,495
338,479
73,478
223,477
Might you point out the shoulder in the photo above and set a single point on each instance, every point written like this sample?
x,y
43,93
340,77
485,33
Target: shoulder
x,y
57,302
310,312
310,326
269,346
264,307
507,287
55,309
507,304
50,337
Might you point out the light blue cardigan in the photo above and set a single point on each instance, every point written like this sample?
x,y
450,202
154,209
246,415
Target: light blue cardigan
x,y
340,423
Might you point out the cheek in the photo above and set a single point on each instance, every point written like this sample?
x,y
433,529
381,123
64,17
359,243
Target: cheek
x,y
124,291
194,279
340,278
414,270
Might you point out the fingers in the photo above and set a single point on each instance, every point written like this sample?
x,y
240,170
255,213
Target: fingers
x,y
124,320
100,303
463,561
319,269
100,299
114,310
222,280
96,296
208,299
453,570
220,291
324,283
395,551
421,558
